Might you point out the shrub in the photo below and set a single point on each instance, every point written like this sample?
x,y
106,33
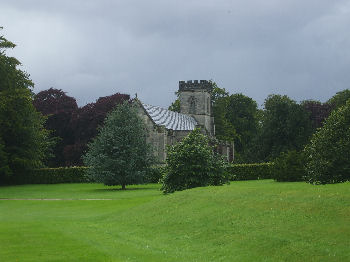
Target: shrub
x,y
55,176
155,174
289,167
328,154
250,171
192,163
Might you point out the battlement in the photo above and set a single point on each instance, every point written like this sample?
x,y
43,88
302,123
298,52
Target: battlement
x,y
195,85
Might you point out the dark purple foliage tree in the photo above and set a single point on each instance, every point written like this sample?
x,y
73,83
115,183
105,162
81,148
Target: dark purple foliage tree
x,y
318,112
59,108
73,126
86,121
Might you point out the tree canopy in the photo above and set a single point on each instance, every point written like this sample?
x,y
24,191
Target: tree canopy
x,y
285,126
10,76
59,109
73,126
24,143
242,114
339,99
192,163
318,112
328,153
119,154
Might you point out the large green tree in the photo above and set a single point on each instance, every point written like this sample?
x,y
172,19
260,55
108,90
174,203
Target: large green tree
x,y
236,119
24,142
339,99
242,113
224,130
328,153
10,76
285,126
120,155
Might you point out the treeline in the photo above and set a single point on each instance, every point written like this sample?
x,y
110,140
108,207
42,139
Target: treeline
x,y
261,135
72,127
24,142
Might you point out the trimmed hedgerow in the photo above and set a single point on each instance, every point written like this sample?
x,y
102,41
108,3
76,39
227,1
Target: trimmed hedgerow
x,y
56,175
250,171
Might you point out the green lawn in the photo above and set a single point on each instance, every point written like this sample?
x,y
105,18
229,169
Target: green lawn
x,y
244,221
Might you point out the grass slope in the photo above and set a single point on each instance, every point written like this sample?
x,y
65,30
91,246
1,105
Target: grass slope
x,y
245,221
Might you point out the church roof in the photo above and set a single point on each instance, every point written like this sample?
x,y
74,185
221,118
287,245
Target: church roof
x,y
170,119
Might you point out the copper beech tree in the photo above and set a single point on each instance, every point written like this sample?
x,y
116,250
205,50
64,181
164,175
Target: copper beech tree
x,y
73,126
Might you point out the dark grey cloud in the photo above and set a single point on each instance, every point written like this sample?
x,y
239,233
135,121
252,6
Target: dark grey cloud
x,y
96,48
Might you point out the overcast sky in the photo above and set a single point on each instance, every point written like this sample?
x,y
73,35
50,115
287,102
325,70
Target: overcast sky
x,y
93,48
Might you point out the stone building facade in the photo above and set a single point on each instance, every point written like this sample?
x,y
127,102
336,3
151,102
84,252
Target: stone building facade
x,y
166,127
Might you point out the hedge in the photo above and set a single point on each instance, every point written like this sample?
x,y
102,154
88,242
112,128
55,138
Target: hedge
x,y
79,174
250,171
56,175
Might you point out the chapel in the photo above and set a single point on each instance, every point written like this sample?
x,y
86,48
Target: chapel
x,y
167,127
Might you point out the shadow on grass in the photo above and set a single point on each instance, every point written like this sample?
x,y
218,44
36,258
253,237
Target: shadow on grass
x,y
123,190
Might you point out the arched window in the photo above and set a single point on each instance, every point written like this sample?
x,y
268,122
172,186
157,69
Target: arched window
x,y
192,102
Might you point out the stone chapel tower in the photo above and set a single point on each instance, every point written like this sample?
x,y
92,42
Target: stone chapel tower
x,y
195,100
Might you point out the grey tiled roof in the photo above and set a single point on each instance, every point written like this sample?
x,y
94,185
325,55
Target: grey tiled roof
x,y
169,119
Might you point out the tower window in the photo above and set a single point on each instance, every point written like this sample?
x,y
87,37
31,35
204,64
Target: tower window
x,y
192,102
208,106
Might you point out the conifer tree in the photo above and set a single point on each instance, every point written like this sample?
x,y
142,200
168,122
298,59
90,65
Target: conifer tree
x,y
120,155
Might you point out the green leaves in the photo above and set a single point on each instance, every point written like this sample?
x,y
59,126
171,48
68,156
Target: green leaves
x,y
339,99
175,106
289,166
328,153
285,126
24,143
192,163
120,155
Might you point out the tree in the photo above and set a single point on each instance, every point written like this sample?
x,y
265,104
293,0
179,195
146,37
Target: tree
x,y
289,167
224,130
328,153
339,99
192,163
119,154
318,112
24,142
5,171
74,127
175,106
236,119
285,126
85,123
10,76
59,109
242,114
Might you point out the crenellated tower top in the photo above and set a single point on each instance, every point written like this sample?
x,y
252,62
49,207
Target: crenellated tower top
x,y
195,85
195,100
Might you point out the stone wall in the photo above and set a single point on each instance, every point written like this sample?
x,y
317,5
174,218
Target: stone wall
x,y
157,135
195,100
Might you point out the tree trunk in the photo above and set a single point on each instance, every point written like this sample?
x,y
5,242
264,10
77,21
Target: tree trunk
x,y
123,187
